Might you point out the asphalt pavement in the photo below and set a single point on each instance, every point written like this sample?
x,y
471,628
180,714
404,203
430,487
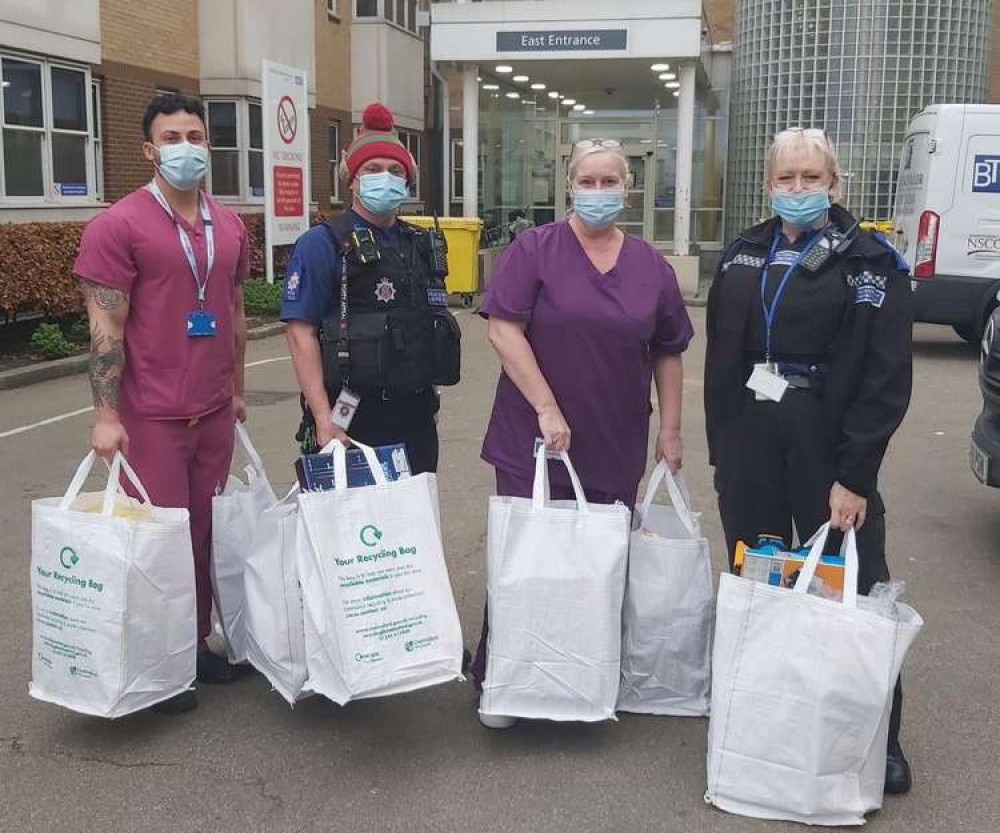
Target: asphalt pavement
x,y
244,762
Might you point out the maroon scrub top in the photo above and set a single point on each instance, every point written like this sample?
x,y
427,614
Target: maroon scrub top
x,y
133,246
595,337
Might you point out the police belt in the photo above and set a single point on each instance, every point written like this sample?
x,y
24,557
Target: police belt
x,y
804,375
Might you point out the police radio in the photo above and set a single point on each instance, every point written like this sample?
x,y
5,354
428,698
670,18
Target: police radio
x,y
439,251
364,245
831,243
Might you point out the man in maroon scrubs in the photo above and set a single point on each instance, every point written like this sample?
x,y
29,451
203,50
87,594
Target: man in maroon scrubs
x,y
162,271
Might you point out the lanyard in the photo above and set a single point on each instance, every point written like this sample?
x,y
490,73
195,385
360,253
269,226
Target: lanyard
x,y
206,219
770,312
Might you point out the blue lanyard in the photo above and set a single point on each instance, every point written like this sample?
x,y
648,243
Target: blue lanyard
x,y
206,219
770,312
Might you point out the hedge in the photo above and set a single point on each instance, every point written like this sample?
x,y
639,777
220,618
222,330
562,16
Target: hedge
x,y
36,264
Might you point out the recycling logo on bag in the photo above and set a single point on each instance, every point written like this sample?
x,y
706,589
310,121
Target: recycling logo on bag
x,y
68,558
370,535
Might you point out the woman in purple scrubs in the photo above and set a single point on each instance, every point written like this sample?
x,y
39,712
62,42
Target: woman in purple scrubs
x,y
583,318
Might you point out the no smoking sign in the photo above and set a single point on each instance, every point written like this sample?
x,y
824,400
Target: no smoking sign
x,y
288,120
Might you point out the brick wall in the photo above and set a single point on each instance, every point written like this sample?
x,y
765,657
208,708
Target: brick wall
x,y
333,57
152,34
720,14
125,93
319,121
993,80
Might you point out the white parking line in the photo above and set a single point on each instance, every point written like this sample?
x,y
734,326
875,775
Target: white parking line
x,y
70,414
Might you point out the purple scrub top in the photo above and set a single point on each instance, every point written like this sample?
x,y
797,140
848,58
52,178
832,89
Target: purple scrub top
x,y
595,337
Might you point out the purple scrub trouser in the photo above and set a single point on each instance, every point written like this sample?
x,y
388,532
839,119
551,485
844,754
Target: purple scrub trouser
x,y
182,463
510,484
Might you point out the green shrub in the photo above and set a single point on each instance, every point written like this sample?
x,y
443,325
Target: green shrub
x,y
261,297
50,343
79,331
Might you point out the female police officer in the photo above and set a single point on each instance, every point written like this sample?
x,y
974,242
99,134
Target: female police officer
x,y
368,330
808,370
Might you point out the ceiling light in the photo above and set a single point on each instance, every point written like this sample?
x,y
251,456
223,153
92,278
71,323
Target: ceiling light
x,y
538,86
553,94
479,78
677,93
491,86
668,76
521,79
588,112
513,95
503,69
660,67
569,101
672,85
579,107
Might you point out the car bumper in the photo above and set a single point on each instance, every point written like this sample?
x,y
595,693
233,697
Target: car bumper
x,y
950,299
984,451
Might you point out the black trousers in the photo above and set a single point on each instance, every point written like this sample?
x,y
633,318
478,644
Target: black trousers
x,y
409,419
774,472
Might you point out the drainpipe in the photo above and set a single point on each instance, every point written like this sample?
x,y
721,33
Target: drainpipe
x,y
445,141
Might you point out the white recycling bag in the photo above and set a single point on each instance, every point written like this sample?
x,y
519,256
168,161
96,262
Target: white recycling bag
x,y
379,613
801,695
555,582
669,608
275,638
234,515
112,596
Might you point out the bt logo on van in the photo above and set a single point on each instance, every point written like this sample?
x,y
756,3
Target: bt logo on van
x,y
986,174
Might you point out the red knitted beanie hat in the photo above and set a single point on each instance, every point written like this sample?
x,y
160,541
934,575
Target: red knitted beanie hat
x,y
377,139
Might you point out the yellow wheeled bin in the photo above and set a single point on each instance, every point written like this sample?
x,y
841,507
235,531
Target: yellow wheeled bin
x,y
462,235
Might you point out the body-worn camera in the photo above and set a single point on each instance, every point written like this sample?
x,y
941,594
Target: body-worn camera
x,y
364,245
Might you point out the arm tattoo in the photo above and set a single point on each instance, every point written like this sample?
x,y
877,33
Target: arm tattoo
x,y
106,297
107,360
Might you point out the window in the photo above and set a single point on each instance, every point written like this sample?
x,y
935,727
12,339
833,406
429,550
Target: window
x,y
333,154
255,150
48,131
236,134
95,109
401,12
411,141
457,167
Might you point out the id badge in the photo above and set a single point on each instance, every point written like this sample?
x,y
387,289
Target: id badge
x,y
766,384
344,408
200,323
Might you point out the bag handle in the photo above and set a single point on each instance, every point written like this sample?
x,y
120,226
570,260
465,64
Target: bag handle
x,y
339,451
243,438
540,489
850,549
118,465
677,492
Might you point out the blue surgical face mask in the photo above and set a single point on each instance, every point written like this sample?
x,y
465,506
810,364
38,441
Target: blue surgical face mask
x,y
597,207
382,193
800,210
183,165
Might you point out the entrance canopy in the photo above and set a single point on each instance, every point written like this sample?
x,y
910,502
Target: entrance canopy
x,y
535,76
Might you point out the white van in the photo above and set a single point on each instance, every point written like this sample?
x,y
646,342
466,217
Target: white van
x,y
947,219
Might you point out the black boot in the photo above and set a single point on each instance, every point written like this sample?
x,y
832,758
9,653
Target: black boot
x,y
178,704
898,778
216,670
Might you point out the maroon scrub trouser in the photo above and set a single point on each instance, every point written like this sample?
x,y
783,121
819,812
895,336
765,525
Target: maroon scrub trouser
x,y
183,463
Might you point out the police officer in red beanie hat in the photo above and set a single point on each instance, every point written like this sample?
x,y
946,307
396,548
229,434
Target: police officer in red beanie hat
x,y
368,328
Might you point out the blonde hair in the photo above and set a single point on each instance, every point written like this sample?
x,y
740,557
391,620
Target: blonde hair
x,y
808,138
581,150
